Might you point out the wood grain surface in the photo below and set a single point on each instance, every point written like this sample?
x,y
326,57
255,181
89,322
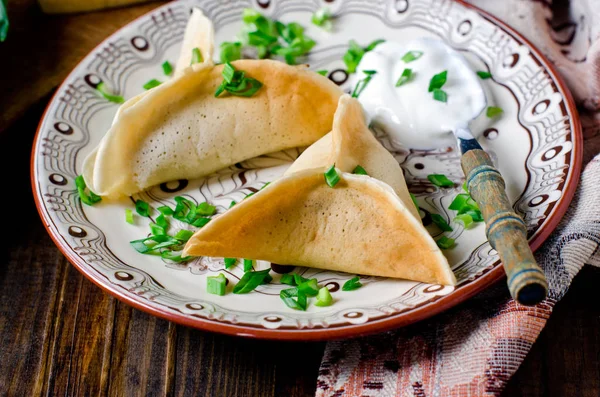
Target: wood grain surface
x,y
61,335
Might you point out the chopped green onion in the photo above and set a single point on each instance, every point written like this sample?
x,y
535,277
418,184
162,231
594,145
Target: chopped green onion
x,y
216,284
441,222
259,38
298,279
464,186
142,208
230,51
465,220
162,221
157,230
200,222
374,44
475,214
265,185
129,216
85,195
229,262
438,81
236,83
196,56
414,200
150,245
322,72
493,111
324,297
358,170
322,18
331,176
411,56
484,75
206,209
228,72
151,84
445,242
161,225
310,287
110,97
174,256
167,68
250,15
288,279
248,265
352,284
355,52
362,84
232,203
288,295
249,195
165,210
404,77
459,202
440,95
440,180
250,280
183,235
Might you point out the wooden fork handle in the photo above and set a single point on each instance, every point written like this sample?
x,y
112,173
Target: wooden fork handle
x,y
505,229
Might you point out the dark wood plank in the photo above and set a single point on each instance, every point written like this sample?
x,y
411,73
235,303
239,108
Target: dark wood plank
x,y
216,365
143,354
565,360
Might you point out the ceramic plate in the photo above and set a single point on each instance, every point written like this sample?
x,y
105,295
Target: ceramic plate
x,y
536,145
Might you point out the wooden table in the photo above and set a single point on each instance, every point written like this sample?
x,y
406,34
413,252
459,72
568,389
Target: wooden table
x,y
60,334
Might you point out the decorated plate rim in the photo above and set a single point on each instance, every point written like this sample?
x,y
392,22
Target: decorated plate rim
x,y
397,320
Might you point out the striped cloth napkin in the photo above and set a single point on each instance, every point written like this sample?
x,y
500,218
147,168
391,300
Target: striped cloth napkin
x,y
475,348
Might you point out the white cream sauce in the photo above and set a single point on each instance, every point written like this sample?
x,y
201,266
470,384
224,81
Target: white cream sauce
x,y
408,113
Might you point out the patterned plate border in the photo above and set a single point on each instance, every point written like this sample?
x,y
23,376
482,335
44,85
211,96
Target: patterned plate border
x,y
431,308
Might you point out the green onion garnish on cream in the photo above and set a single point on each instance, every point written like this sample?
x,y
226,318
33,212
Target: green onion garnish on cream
x,y
438,81
411,56
440,95
404,77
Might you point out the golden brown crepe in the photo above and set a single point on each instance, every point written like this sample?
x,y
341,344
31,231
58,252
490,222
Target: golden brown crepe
x,y
360,226
351,143
179,130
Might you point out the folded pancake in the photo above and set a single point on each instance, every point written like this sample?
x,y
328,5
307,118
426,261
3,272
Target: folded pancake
x,y
179,130
351,143
360,226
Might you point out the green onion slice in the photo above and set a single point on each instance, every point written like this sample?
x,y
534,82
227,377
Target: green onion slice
x,y
206,209
151,84
465,220
324,298
108,96
167,68
493,111
404,77
85,195
352,284
232,203
174,256
322,72
228,72
298,279
374,44
288,295
445,242
230,51
248,265
484,75
440,180
438,81
288,279
250,280
196,56
229,262
362,84
216,284
441,222
412,56
183,235
358,170
142,208
355,52
322,18
331,176
440,95
129,216
309,288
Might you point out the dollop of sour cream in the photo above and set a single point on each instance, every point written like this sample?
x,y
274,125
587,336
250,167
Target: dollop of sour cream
x,y
409,114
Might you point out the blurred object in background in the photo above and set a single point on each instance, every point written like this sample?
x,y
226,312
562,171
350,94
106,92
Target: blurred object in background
x,y
3,20
70,6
